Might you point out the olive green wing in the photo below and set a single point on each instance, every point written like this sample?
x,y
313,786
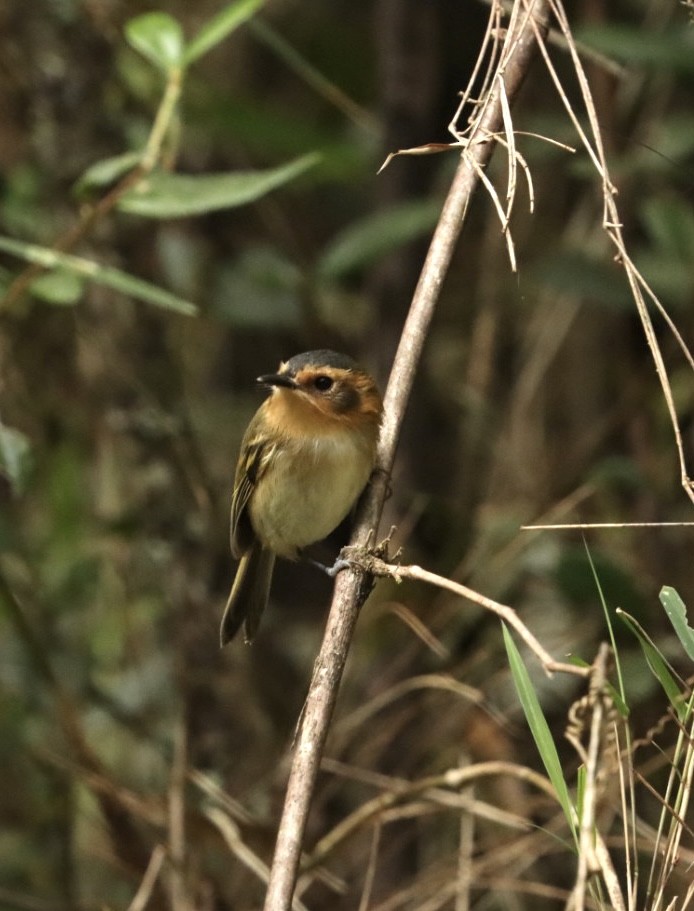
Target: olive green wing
x,y
253,461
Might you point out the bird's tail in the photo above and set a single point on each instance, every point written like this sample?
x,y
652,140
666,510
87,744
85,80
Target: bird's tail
x,y
249,594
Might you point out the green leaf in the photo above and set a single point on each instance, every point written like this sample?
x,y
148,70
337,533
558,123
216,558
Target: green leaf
x,y
376,235
657,664
677,613
102,275
539,727
158,37
165,195
107,171
59,286
219,27
15,457
618,701
608,620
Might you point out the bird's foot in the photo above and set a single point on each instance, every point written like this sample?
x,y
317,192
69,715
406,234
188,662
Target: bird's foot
x,y
333,570
366,558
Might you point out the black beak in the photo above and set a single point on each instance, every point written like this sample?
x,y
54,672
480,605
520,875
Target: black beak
x,y
278,379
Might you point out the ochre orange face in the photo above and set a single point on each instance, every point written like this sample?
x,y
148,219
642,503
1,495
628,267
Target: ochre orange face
x,y
317,398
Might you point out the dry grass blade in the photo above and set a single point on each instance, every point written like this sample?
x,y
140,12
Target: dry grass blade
x,y
232,836
377,567
146,887
526,170
350,591
613,226
676,805
412,791
593,857
466,846
371,869
211,789
628,812
494,196
582,526
435,796
510,147
489,50
399,690
420,629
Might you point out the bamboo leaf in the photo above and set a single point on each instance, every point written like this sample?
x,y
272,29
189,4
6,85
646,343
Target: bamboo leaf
x,y
657,664
165,195
539,727
102,275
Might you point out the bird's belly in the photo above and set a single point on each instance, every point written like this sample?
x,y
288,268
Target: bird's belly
x,y
305,494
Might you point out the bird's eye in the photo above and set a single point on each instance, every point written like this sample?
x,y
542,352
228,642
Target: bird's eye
x,y
323,383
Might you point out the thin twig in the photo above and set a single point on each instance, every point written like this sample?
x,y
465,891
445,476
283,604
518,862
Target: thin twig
x,y
583,525
613,227
350,590
466,844
144,891
507,614
454,779
590,757
231,834
370,870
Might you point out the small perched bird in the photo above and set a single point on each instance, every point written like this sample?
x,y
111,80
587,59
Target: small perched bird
x,y
306,456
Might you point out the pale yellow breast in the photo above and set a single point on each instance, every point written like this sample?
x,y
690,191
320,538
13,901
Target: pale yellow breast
x,y
309,489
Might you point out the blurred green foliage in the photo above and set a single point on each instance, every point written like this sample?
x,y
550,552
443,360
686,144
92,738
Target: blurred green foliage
x,y
236,168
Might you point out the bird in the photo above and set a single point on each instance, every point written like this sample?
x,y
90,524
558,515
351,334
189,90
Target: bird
x,y
305,458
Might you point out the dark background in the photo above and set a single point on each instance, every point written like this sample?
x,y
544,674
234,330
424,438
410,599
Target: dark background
x,y
537,400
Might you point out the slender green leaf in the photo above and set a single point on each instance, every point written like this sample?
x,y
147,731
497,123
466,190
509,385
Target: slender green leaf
x,y
102,275
677,613
608,621
102,173
219,27
618,701
657,663
165,195
158,37
376,235
580,790
539,727
15,457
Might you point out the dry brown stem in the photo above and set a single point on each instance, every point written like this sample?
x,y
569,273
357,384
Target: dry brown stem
x,y
351,589
640,290
507,614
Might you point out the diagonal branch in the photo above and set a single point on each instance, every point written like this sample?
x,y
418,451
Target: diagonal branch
x,y
351,588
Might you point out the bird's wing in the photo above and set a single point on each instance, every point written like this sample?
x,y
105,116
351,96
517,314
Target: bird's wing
x,y
254,459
